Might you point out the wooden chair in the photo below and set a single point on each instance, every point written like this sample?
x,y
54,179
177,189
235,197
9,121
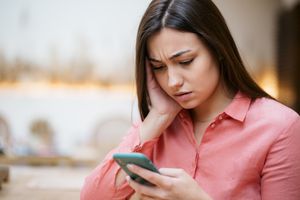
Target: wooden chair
x,y
4,174
5,137
5,149
108,134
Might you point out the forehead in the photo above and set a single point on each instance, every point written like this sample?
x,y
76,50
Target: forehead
x,y
169,41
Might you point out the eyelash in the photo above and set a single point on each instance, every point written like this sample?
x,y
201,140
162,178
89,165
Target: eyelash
x,y
156,68
187,62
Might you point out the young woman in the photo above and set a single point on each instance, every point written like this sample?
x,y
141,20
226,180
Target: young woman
x,y
212,131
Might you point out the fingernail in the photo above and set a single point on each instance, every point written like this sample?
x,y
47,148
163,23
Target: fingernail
x,y
129,166
127,178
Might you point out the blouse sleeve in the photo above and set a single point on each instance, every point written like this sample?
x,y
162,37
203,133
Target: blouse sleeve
x,y
100,184
281,173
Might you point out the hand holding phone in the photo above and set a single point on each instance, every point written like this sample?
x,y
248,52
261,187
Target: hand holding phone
x,y
138,159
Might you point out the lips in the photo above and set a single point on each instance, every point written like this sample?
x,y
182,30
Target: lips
x,y
181,93
183,96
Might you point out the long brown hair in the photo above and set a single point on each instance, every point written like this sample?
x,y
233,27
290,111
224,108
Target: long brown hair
x,y
204,19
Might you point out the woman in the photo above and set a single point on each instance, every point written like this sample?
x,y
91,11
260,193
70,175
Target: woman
x,y
214,131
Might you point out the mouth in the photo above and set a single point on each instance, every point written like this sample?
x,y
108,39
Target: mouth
x,y
183,96
181,93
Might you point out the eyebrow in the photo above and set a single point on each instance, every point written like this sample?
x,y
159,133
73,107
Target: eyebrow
x,y
172,57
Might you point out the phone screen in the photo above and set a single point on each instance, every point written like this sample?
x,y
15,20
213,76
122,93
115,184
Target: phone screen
x,y
138,159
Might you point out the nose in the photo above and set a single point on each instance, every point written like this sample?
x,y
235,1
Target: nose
x,y
175,79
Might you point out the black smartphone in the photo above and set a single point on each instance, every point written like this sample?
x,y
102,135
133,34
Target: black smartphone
x,y
137,159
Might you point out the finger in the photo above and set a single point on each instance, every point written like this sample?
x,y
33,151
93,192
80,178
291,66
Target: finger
x,y
149,71
137,196
140,189
151,82
171,172
153,177
144,197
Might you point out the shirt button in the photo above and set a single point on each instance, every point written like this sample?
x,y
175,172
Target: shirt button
x,y
213,125
220,117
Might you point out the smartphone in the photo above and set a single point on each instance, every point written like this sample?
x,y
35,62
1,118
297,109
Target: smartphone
x,y
137,159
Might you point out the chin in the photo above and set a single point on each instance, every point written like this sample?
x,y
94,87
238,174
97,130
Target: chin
x,y
188,105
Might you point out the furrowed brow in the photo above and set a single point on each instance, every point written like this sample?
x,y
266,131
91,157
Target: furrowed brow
x,y
153,60
172,57
179,54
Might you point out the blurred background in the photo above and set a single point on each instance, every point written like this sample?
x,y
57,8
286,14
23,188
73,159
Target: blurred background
x,y
67,91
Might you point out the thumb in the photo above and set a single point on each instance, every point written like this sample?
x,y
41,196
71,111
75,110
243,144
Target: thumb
x,y
171,172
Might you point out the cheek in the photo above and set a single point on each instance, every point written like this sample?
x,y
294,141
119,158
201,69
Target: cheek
x,y
206,76
162,81
215,73
214,76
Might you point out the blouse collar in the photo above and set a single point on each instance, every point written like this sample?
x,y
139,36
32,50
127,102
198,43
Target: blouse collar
x,y
238,107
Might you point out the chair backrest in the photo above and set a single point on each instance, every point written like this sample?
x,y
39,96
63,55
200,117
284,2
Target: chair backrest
x,y
5,137
41,138
108,134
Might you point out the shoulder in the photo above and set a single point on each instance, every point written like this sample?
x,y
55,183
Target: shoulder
x,y
273,112
269,107
282,160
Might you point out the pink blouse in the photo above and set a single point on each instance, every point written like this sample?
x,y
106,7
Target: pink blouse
x,y
250,151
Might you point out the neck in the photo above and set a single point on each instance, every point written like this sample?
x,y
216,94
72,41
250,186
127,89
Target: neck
x,y
213,106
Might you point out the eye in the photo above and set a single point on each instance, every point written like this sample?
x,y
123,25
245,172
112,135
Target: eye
x,y
186,62
157,67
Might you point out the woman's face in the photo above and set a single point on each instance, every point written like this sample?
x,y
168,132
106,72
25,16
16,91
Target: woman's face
x,y
183,66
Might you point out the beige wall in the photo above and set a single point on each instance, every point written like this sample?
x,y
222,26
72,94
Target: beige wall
x,y
253,26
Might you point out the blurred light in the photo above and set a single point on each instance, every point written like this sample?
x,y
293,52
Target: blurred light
x,y
47,86
269,82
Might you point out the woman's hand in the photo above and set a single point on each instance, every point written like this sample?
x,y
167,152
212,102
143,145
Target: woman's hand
x,y
161,103
162,112
170,184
